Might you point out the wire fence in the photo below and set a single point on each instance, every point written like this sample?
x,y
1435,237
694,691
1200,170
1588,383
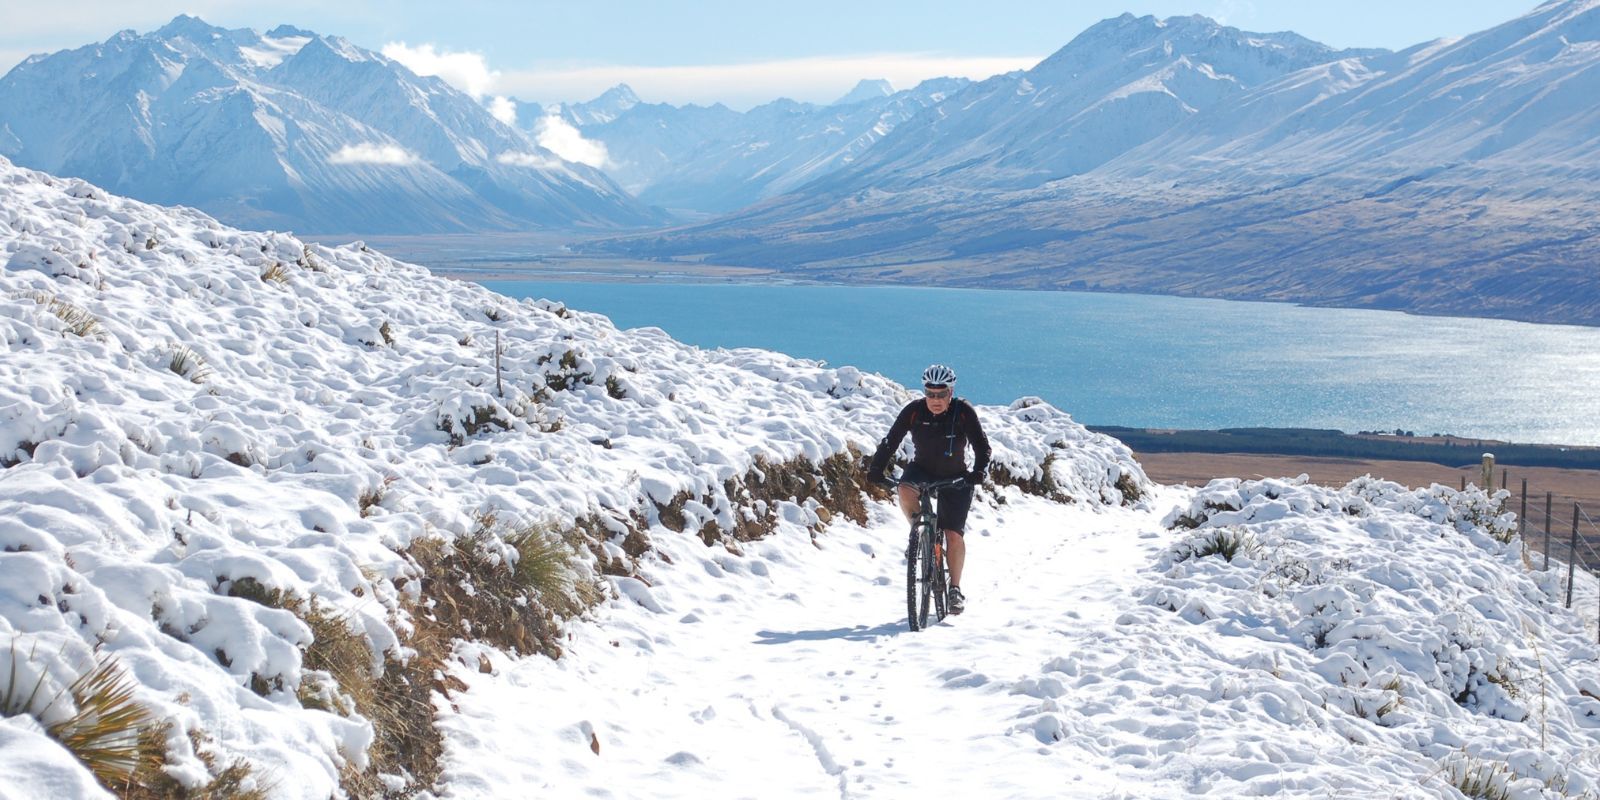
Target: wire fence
x,y
1563,541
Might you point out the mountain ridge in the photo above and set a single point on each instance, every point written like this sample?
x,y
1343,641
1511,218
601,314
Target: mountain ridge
x,y
1450,178
279,110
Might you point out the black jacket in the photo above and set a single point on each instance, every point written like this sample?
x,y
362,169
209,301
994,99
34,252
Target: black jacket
x,y
940,441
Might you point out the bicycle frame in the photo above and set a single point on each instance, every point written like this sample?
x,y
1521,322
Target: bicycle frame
x,y
927,575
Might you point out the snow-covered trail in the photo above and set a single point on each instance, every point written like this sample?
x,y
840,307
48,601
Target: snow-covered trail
x,y
800,653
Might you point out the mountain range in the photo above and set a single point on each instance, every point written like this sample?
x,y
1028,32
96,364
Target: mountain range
x,y
1173,156
705,160
1180,156
289,129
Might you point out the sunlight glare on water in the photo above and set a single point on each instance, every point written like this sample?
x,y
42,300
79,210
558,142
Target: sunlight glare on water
x,y
1149,361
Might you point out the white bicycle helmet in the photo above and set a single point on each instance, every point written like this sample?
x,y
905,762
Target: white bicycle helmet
x,y
938,375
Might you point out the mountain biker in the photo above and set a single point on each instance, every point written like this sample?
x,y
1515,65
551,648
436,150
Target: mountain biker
x,y
941,428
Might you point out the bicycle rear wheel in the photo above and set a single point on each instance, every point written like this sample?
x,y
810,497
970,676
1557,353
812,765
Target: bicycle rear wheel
x,y
941,582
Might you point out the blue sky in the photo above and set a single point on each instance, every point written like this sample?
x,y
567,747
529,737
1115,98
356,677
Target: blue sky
x,y
735,51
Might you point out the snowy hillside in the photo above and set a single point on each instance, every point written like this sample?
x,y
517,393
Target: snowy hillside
x,y
289,129
272,521
221,448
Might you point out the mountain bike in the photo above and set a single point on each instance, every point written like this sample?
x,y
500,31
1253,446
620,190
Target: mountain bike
x,y
927,576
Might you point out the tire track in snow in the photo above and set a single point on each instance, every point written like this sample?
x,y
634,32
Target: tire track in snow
x,y
824,756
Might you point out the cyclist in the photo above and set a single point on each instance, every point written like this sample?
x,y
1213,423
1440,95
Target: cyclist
x,y
941,428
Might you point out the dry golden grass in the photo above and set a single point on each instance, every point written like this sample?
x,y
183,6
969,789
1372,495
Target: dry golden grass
x,y
77,319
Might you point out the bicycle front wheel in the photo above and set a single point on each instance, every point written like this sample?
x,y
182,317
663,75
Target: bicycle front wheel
x,y
914,563
929,567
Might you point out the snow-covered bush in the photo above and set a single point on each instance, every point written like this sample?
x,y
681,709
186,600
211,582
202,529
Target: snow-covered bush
x,y
1403,601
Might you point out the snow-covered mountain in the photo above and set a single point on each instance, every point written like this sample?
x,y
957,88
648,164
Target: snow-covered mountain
x,y
289,129
704,160
1455,177
1118,84
316,523
866,90
612,103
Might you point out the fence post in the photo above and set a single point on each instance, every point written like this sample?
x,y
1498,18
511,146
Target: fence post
x,y
1504,477
1487,473
498,389
1572,554
1463,483
1547,498
1522,518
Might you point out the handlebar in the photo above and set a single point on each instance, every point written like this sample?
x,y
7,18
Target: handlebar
x,y
958,482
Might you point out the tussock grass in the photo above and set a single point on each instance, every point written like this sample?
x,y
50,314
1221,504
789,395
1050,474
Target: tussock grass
x,y
309,261
107,731
118,739
184,362
340,677
511,600
1478,779
237,781
615,389
387,332
836,483
276,273
1228,543
545,567
77,319
373,497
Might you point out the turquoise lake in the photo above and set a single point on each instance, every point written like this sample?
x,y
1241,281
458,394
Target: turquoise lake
x,y
1151,361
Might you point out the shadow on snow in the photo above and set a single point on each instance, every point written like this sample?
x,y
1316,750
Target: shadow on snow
x,y
857,633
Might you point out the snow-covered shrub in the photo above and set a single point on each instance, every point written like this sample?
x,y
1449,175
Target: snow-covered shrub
x,y
1399,598
1066,463
1474,511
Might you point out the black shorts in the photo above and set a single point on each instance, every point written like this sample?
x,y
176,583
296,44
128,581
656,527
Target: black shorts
x,y
953,504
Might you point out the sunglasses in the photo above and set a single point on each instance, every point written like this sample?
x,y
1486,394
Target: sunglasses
x,y
936,394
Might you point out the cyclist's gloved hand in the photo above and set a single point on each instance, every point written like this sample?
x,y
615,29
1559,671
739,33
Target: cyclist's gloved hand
x,y
975,478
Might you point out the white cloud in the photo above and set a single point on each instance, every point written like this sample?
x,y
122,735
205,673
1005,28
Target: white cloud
x,y
534,160
819,80
558,136
503,109
466,71
370,153
1234,12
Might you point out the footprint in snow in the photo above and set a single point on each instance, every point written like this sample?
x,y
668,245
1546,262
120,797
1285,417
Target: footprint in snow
x,y
963,679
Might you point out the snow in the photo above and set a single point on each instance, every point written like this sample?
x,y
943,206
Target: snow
x,y
1369,641
272,51
290,130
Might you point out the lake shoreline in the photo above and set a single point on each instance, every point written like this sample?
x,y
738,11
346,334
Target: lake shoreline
x,y
1156,360
568,268
1314,443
